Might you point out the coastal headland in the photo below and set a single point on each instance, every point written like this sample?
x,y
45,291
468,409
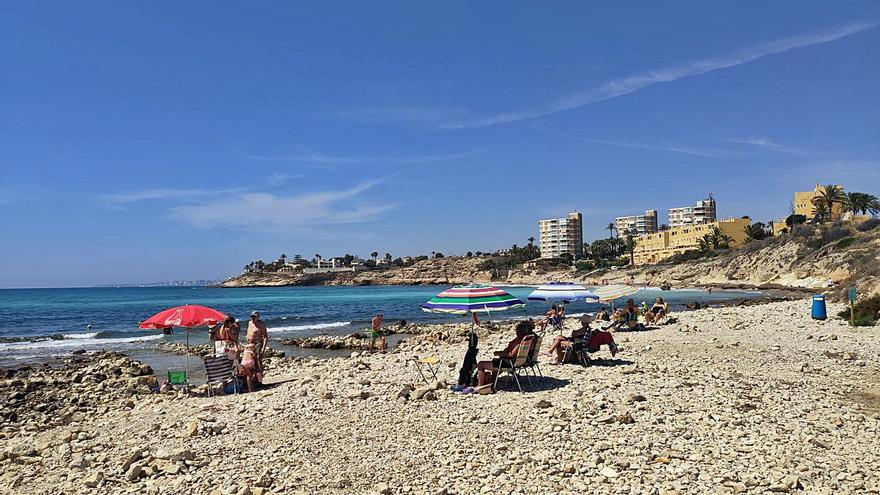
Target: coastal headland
x,y
784,262
745,399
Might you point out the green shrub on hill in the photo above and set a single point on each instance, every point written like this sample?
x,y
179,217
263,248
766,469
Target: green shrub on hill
x,y
845,242
815,243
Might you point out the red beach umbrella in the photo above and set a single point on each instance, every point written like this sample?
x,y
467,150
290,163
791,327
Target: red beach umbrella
x,y
183,316
191,315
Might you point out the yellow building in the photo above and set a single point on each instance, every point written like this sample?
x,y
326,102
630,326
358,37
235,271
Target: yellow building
x,y
803,203
652,248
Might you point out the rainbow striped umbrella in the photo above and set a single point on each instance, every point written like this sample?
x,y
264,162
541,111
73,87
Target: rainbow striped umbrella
x,y
471,299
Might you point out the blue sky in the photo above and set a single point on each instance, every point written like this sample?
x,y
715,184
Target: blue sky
x,y
144,142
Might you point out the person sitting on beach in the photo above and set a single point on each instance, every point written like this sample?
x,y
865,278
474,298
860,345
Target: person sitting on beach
x,y
628,316
594,339
376,332
602,315
258,338
549,317
657,312
486,370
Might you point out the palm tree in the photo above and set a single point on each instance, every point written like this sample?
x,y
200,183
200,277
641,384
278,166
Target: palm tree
x,y
664,227
611,228
374,255
829,196
755,232
630,245
531,241
821,211
857,202
317,256
283,257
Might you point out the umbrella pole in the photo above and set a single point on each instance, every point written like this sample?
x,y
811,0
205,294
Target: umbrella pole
x,y
187,355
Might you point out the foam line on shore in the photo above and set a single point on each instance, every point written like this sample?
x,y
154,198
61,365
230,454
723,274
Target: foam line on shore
x,y
311,326
75,342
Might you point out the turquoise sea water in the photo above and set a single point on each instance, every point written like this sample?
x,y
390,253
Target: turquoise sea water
x,y
36,324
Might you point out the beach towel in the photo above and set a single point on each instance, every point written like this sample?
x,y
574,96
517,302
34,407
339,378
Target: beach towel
x,y
466,373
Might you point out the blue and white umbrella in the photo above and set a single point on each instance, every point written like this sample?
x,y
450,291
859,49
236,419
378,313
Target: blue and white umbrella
x,y
562,292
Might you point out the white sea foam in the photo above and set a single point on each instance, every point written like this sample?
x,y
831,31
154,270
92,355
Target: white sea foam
x,y
78,342
80,335
311,326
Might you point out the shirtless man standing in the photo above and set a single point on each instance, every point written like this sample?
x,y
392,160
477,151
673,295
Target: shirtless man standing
x,y
258,337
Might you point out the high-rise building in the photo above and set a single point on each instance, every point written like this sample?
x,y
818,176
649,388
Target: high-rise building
x,y
637,224
560,236
703,212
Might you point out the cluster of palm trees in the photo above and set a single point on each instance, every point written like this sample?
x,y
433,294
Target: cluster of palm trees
x,y
831,196
715,239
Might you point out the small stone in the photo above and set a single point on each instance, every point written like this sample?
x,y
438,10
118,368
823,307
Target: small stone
x,y
625,418
608,472
135,456
192,429
635,398
383,489
134,472
543,404
94,479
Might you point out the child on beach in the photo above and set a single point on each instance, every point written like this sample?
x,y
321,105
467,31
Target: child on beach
x,y
249,366
376,333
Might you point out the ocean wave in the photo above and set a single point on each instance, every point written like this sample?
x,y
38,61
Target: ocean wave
x,y
80,341
311,326
80,335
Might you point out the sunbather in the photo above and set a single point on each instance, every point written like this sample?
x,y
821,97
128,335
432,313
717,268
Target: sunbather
x,y
593,339
628,317
659,310
549,316
602,315
486,370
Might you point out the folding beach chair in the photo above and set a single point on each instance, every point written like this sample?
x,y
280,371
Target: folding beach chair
x,y
219,369
578,348
557,323
430,364
532,363
519,360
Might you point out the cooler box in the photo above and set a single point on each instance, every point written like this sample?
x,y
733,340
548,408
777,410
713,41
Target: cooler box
x,y
818,312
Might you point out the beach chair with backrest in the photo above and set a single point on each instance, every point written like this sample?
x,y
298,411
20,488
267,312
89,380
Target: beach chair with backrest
x,y
557,323
579,349
219,369
532,364
518,361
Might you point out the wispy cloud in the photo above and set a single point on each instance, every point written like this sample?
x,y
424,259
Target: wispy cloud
x,y
322,158
672,148
121,199
766,144
261,210
619,87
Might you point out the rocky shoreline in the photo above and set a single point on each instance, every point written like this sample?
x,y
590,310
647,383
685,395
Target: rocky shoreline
x,y
755,399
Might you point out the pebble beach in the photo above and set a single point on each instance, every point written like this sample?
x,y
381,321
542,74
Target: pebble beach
x,y
756,399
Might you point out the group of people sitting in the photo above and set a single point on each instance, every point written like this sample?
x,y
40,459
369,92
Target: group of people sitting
x,y
588,338
247,359
628,316
591,339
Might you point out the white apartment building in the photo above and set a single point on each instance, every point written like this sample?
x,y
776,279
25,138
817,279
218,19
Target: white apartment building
x,y
637,224
704,211
559,236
